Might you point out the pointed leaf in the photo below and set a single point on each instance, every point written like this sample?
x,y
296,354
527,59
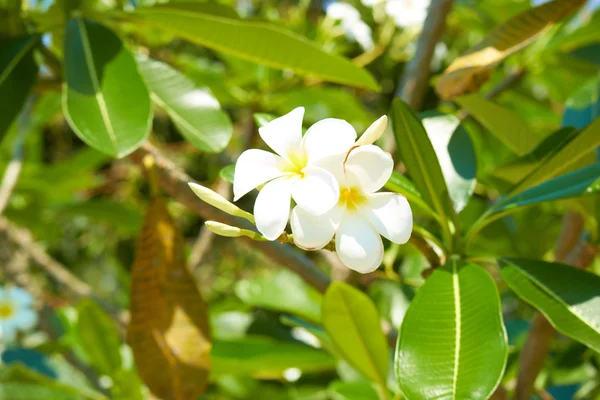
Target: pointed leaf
x,y
567,296
505,125
417,153
18,72
452,343
351,320
455,154
99,337
401,184
471,70
584,105
105,100
258,42
194,110
169,331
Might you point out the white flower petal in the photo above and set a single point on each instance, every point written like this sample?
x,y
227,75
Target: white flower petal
x,y
272,207
255,167
317,192
328,137
20,297
391,216
373,132
333,164
357,243
25,319
284,134
8,331
314,232
368,167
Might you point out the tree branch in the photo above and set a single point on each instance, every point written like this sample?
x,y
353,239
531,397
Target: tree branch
x,y
175,182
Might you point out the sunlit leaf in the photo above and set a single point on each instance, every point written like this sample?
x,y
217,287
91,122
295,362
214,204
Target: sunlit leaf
x,y
339,390
18,72
401,184
584,106
105,100
193,110
258,42
567,296
455,324
468,72
351,320
169,331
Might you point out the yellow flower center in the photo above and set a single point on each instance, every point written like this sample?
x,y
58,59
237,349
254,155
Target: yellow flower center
x,y
6,310
297,162
351,197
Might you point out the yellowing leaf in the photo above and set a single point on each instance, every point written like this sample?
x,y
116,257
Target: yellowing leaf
x,y
169,331
468,72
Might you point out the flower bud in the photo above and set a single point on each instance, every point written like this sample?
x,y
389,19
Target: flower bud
x,y
231,231
373,132
220,202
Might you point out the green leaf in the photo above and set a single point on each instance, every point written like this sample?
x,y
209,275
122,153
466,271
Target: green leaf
x,y
581,182
258,42
194,110
339,390
567,296
99,337
417,153
584,105
501,122
274,293
105,100
454,151
453,324
471,70
18,72
575,150
351,320
266,358
261,119
401,184
227,173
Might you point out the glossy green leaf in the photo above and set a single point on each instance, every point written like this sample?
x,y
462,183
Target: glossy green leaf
x,y
339,390
454,151
18,72
98,335
452,343
500,122
193,110
274,293
105,100
584,106
351,320
567,296
266,358
562,160
258,42
417,153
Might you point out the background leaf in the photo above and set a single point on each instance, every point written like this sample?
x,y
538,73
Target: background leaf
x,y
194,110
567,296
351,320
105,100
247,40
453,324
169,332
583,106
18,72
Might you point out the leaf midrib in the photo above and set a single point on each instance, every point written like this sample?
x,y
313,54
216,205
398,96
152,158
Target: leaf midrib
x,y
89,60
16,60
457,324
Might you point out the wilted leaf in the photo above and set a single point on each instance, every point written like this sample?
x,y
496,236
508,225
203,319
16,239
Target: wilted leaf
x,y
169,331
471,70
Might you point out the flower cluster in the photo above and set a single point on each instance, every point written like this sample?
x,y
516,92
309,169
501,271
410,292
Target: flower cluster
x,y
15,313
332,178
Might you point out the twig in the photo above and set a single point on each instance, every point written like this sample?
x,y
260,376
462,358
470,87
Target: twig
x,y
574,249
13,170
175,182
414,81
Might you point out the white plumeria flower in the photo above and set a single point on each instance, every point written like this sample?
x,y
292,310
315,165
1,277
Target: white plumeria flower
x,y
354,27
15,313
407,13
361,215
294,171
